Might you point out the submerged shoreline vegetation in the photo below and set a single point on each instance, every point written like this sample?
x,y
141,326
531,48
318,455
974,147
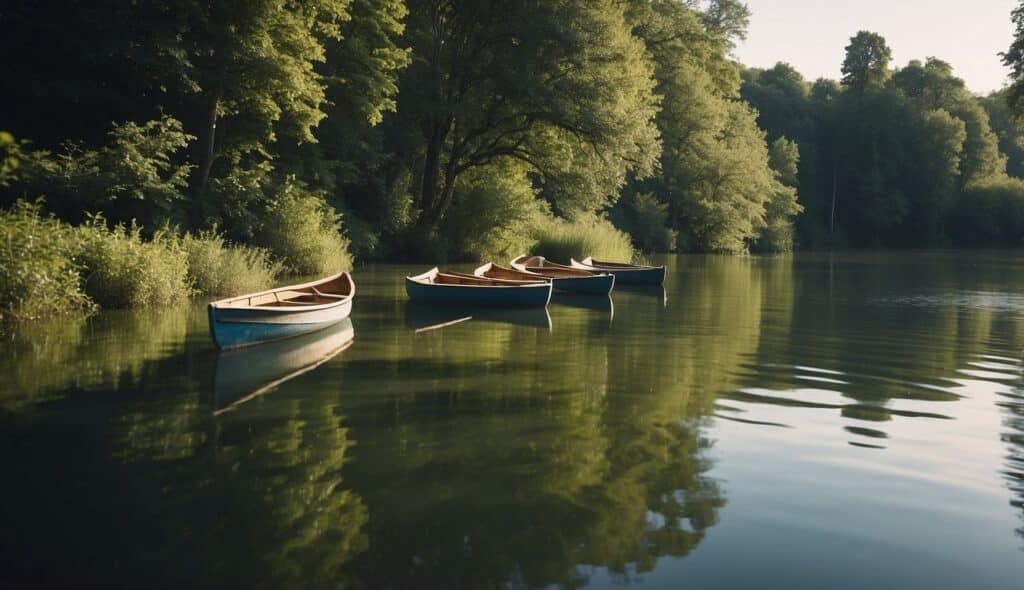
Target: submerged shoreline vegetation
x,y
213,148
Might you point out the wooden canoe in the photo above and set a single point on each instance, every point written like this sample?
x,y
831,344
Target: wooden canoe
x,y
449,288
566,278
624,273
281,313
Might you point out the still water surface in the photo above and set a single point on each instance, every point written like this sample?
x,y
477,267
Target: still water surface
x,y
841,421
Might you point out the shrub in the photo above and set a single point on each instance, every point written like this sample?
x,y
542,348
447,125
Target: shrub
x,y
217,268
494,214
303,232
590,236
989,213
776,237
10,157
134,176
37,274
647,218
120,269
235,199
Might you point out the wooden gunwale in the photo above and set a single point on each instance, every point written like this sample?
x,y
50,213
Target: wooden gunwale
x,y
283,299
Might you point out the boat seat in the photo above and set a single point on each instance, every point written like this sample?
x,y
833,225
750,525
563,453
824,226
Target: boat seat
x,y
291,297
328,295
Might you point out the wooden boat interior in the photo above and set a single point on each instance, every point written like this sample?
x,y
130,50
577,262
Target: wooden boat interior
x,y
458,278
541,265
329,291
509,274
560,273
622,265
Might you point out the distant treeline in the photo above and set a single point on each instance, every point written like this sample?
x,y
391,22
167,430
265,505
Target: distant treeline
x,y
463,129
896,157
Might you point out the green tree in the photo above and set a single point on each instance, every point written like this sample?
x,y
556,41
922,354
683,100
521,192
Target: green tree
x,y
715,176
10,157
577,109
135,175
782,206
781,97
254,62
350,160
866,65
1013,58
1008,130
726,19
933,86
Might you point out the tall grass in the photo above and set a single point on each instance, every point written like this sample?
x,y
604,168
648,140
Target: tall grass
x,y
38,276
216,268
303,232
560,240
120,269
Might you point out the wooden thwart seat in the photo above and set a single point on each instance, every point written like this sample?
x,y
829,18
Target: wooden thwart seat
x,y
328,295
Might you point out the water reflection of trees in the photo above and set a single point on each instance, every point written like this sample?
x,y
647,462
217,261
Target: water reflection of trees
x,y
100,352
1013,435
900,319
872,338
142,483
487,454
500,455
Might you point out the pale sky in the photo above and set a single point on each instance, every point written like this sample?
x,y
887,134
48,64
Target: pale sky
x,y
811,34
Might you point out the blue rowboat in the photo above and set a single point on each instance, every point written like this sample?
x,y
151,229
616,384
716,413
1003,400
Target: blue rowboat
x,y
566,278
246,373
448,288
633,274
281,313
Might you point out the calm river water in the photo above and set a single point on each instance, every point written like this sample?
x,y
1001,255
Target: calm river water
x,y
839,421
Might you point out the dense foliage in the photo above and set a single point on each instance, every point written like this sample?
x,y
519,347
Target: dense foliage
x,y
442,129
304,232
217,268
38,274
461,129
49,267
895,156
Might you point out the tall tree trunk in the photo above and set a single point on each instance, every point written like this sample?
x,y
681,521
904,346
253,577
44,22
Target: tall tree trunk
x,y
432,195
209,146
431,168
446,193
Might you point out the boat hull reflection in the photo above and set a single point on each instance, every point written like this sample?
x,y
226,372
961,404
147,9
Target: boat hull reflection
x,y
653,291
589,302
246,373
423,315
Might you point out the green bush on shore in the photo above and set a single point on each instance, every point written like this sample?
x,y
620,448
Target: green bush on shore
x,y
303,232
38,275
216,268
120,269
646,219
494,214
560,240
